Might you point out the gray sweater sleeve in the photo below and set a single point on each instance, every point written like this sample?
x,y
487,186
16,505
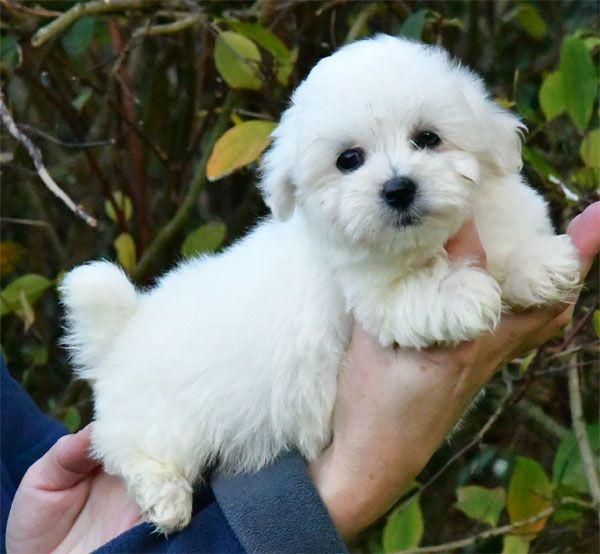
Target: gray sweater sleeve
x,y
277,509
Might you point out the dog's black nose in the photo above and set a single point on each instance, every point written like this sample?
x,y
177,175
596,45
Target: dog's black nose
x,y
399,192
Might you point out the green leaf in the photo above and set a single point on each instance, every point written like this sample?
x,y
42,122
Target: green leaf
x,y
567,468
80,100
404,528
10,51
413,25
79,37
580,81
263,37
32,286
591,42
526,361
126,252
284,69
596,322
239,146
480,503
513,544
539,163
590,148
552,96
204,239
529,18
529,493
237,59
123,202
72,419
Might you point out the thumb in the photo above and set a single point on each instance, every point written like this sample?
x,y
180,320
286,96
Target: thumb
x,y
584,231
65,464
465,244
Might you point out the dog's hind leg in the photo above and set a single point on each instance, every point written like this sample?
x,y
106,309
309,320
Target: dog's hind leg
x,y
162,493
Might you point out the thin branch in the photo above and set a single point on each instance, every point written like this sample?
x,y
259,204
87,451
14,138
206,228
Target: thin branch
x,y
197,183
21,221
55,140
37,11
574,331
498,531
36,157
168,28
138,185
78,11
581,435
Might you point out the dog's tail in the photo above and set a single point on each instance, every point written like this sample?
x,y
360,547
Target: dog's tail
x,y
99,299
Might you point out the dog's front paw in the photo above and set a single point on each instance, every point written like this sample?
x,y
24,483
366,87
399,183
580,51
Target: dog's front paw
x,y
469,305
461,306
544,271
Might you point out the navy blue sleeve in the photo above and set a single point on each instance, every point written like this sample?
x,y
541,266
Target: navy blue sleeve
x,y
26,434
274,510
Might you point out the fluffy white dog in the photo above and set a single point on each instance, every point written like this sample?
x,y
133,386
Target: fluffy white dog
x,y
386,149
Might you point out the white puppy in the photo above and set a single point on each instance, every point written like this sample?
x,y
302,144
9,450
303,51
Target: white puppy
x,y
386,149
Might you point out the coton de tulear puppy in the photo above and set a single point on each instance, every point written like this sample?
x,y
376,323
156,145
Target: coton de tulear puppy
x,y
386,149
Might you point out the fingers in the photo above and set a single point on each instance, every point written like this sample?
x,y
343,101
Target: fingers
x,y
584,231
466,244
65,464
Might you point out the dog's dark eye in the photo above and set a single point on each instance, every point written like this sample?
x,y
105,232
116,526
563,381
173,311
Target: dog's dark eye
x,y
350,160
426,139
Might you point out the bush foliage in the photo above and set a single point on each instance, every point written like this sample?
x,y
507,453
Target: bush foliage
x,y
151,115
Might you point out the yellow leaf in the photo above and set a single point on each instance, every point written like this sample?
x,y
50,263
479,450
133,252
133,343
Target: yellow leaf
x,y
126,254
238,147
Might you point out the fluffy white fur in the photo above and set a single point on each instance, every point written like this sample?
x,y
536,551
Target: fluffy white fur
x,y
233,358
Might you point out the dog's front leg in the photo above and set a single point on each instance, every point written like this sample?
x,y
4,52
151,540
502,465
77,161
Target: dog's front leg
x,y
443,302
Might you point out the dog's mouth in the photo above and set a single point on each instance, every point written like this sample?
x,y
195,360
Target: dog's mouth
x,y
409,217
408,220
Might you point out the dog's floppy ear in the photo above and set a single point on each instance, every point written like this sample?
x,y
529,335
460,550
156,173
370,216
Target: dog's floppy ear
x,y
502,134
505,140
277,164
498,134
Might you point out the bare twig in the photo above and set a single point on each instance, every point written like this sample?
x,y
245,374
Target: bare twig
x,y
37,11
580,431
575,329
80,10
21,221
139,183
36,157
55,140
498,531
169,28
197,183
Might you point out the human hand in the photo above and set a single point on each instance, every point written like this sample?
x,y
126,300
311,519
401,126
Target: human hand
x,y
395,407
67,503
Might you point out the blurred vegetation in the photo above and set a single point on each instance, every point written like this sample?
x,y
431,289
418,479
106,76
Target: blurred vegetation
x,y
150,115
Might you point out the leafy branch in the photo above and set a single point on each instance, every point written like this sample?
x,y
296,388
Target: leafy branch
x,y
78,11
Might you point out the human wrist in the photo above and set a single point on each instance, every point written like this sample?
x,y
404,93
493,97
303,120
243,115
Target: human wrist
x,y
359,487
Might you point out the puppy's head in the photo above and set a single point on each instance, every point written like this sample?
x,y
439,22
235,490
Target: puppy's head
x,y
386,140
